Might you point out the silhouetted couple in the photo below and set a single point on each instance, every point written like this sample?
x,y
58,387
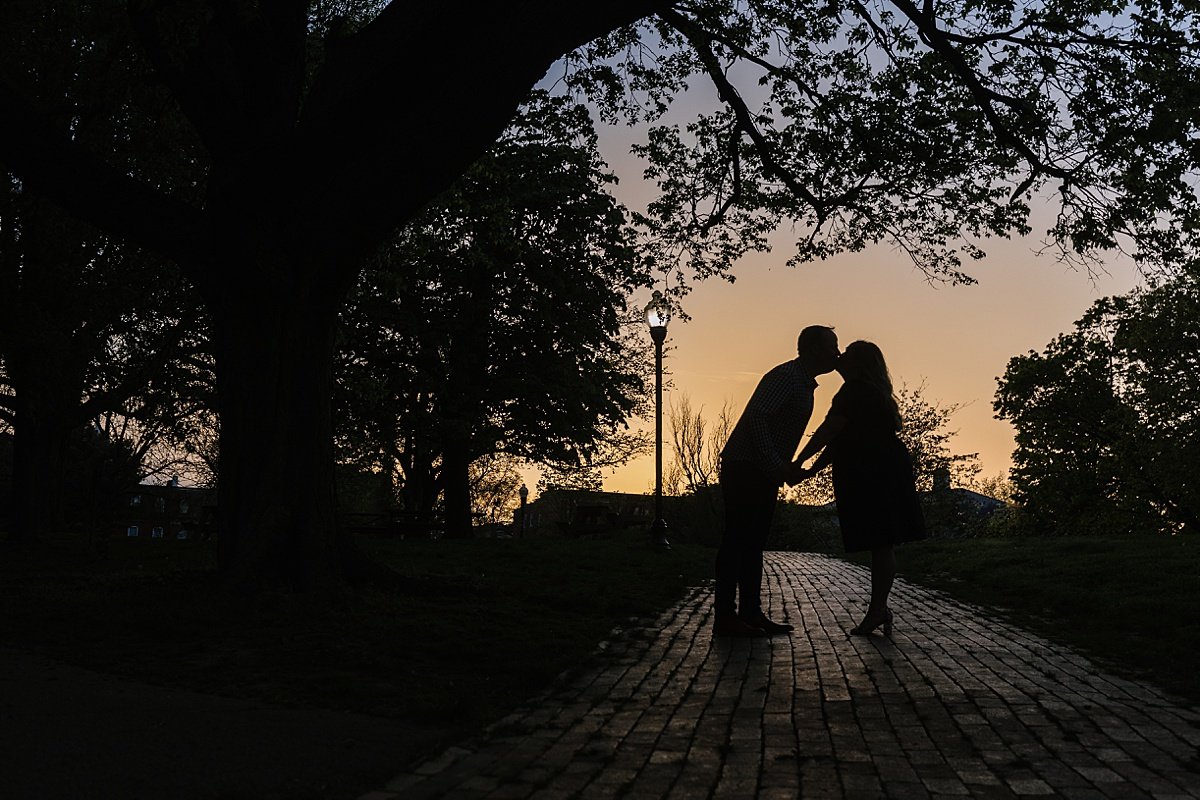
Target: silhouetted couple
x,y
872,476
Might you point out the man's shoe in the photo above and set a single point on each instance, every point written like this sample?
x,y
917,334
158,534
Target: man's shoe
x,y
759,620
736,627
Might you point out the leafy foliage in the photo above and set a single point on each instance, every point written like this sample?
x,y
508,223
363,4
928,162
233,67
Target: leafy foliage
x,y
927,436
1107,429
926,126
270,151
92,328
618,447
499,316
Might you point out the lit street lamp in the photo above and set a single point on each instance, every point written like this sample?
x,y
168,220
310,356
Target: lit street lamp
x,y
658,313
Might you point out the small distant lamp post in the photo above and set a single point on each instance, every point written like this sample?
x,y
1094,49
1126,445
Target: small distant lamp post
x,y
524,493
658,313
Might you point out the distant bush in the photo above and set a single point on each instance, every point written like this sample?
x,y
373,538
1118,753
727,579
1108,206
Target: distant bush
x,y
805,529
696,517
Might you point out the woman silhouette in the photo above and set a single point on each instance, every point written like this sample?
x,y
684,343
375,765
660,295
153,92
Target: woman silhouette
x,y
872,473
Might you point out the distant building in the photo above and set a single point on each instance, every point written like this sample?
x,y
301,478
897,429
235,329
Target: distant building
x,y
169,511
977,503
574,511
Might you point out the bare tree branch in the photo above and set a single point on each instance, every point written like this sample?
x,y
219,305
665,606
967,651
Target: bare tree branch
x,y
702,41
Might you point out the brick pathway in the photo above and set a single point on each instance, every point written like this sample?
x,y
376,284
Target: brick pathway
x,y
957,705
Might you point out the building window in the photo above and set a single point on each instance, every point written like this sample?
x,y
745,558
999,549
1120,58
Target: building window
x,y
131,531
181,535
156,533
183,506
160,504
136,500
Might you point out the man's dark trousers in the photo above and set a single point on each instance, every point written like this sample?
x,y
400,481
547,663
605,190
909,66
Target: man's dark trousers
x,y
749,497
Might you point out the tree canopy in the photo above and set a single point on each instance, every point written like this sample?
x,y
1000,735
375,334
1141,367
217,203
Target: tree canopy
x,y
926,126
88,321
497,321
1107,427
277,145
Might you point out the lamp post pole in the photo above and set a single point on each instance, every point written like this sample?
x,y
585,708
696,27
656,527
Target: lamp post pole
x,y
657,315
524,493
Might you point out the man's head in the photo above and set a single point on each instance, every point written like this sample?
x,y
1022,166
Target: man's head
x,y
817,348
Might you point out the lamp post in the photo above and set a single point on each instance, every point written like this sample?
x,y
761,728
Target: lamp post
x,y
524,493
658,313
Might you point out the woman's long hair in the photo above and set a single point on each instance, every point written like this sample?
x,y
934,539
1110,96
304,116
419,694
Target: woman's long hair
x,y
863,361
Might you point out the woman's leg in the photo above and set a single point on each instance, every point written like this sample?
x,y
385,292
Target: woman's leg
x,y
883,574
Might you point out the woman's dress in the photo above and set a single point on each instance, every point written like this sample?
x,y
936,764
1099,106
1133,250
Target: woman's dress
x,y
872,473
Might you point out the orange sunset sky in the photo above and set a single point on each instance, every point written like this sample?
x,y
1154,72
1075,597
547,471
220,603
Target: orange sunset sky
x,y
955,339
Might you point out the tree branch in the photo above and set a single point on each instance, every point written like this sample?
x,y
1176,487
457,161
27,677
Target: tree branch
x,y
937,40
232,70
700,40
881,37
378,111
135,381
78,181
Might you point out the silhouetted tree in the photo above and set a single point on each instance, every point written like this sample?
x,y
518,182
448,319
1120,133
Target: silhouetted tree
x,y
618,447
495,321
95,484
495,480
696,446
1107,429
927,127
86,321
169,421
318,133
87,328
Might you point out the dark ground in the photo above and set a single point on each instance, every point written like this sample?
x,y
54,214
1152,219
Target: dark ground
x,y
132,675
68,732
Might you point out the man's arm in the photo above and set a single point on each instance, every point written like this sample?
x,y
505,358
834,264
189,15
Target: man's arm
x,y
819,442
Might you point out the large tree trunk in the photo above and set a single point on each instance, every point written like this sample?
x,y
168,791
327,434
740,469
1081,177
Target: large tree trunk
x,y
464,369
456,487
277,512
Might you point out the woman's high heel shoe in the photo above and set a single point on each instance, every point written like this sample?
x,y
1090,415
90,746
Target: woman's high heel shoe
x,y
869,624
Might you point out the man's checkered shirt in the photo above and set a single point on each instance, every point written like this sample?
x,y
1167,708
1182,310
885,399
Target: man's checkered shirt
x,y
770,429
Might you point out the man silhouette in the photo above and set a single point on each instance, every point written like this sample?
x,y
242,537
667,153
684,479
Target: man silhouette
x,y
756,461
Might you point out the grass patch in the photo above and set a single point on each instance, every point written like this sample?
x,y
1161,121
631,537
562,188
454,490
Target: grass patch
x,y
492,623
495,620
1128,601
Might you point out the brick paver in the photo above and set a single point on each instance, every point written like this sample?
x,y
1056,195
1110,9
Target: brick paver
x,y
957,705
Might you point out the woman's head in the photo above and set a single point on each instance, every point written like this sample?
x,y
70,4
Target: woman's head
x,y
863,361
